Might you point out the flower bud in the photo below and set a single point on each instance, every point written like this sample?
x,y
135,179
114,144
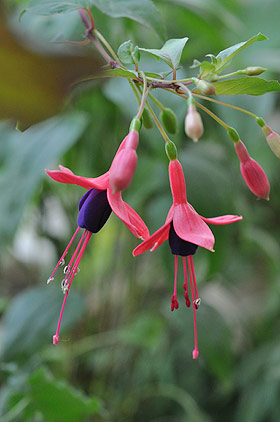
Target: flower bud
x,y
254,70
252,172
193,124
205,87
169,120
124,164
273,139
147,119
171,150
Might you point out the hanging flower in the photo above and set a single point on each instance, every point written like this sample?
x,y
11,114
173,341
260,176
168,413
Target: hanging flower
x,y
95,208
186,230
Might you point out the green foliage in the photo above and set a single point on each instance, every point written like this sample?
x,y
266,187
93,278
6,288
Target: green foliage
x,y
245,86
170,53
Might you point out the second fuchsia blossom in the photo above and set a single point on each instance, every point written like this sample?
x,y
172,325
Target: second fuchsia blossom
x,y
185,230
193,124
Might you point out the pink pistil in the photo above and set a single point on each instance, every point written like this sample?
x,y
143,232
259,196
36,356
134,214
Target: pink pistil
x,y
66,278
73,271
195,351
197,298
174,301
63,255
185,285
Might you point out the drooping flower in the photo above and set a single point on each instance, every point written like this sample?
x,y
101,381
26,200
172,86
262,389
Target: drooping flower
x,y
95,207
273,140
193,124
252,173
186,230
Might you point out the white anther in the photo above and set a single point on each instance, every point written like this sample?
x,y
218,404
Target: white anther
x,y
197,302
65,269
77,271
62,262
50,279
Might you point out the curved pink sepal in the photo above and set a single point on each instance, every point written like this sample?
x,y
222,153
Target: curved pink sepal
x,y
155,240
177,182
224,219
125,213
189,226
66,176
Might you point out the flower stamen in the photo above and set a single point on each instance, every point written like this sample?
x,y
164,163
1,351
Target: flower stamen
x,y
185,285
197,300
195,351
174,301
73,271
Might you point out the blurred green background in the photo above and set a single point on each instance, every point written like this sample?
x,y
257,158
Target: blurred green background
x,y
123,355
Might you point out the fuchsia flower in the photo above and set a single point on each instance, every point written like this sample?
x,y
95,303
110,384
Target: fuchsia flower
x,y
95,208
186,230
253,174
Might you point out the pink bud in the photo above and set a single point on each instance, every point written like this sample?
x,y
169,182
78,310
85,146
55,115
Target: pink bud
x,y
273,140
124,164
252,172
193,124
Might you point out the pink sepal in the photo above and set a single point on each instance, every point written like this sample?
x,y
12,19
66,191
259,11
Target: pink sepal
x,y
189,226
177,182
155,240
224,219
66,176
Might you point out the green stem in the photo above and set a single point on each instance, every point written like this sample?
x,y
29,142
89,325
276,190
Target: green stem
x,y
173,81
107,45
220,121
135,91
226,105
145,93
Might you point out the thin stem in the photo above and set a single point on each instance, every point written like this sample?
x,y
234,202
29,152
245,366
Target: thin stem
x,y
187,81
107,45
145,93
186,90
243,110
157,122
213,115
135,91
195,351
175,275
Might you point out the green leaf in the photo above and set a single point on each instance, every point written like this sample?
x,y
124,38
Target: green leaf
x,y
206,68
31,319
141,11
225,56
247,85
170,53
59,401
124,52
26,156
118,72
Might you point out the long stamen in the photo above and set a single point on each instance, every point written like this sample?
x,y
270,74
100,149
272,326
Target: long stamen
x,y
185,285
66,278
174,301
75,266
195,351
61,261
197,301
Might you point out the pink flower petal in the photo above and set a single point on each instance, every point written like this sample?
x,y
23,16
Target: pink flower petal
x,y
65,169
67,176
154,241
177,182
224,219
125,213
189,226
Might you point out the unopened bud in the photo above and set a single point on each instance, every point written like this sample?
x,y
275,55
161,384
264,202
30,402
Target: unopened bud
x,y
124,164
169,120
205,87
147,119
254,70
273,138
252,173
193,124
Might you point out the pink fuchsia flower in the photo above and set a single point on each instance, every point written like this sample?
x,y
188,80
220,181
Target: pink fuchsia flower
x,y
95,208
252,173
186,230
273,140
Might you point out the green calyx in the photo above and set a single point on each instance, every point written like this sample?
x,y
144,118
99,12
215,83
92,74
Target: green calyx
x,y
260,121
135,125
171,150
169,120
233,134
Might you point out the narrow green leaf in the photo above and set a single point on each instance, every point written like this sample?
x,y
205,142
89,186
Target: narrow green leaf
x,y
141,11
121,73
247,85
170,53
59,401
225,56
